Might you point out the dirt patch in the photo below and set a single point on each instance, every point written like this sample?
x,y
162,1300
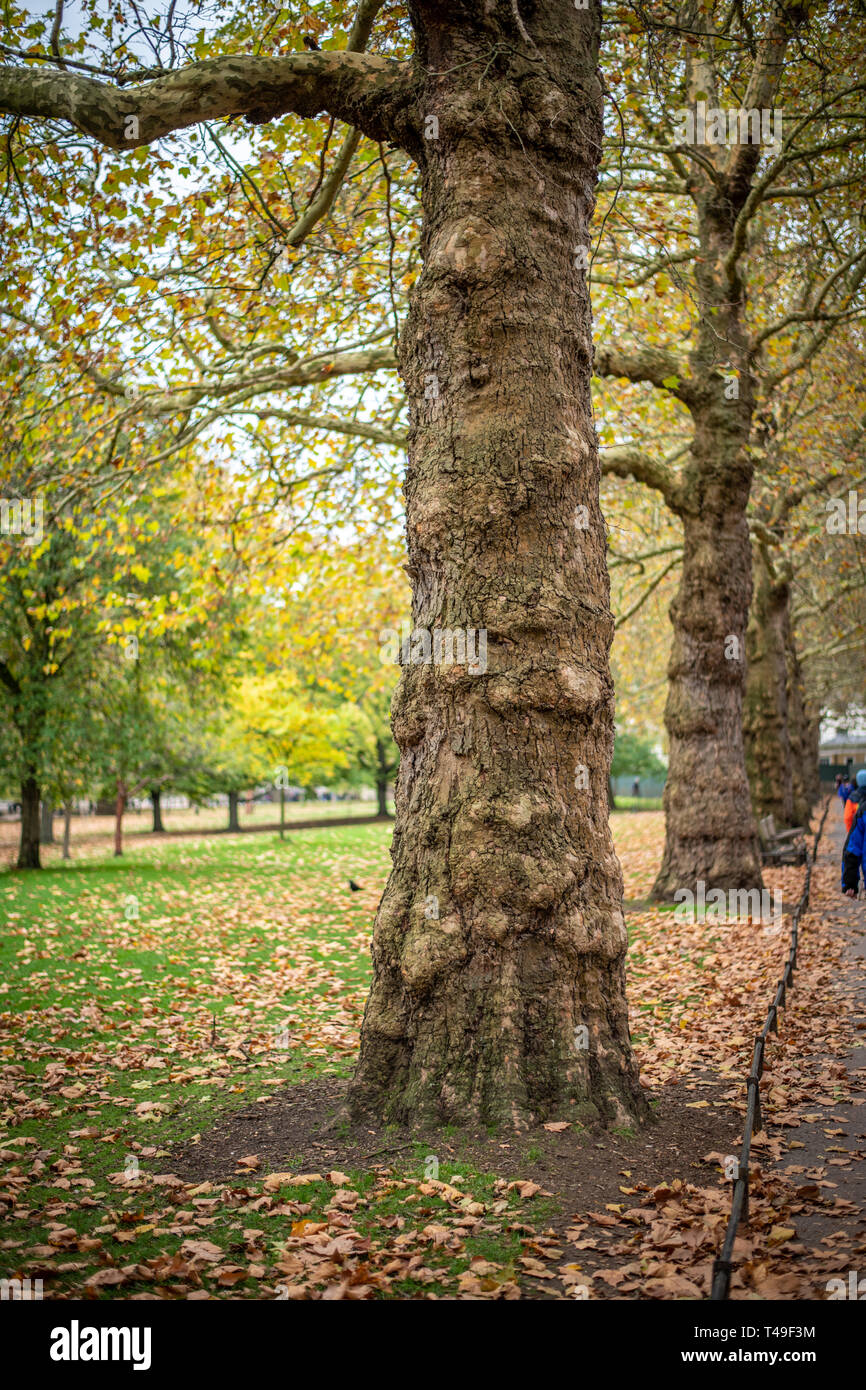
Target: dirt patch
x,y
583,1171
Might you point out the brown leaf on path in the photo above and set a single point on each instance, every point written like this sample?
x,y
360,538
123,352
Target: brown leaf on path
x,y
601,1219
525,1188
779,1234
673,1286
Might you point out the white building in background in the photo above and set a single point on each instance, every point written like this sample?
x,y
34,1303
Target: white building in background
x,y
842,747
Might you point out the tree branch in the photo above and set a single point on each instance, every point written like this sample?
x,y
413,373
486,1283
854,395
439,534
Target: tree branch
x,y
763,86
624,618
362,89
655,365
628,461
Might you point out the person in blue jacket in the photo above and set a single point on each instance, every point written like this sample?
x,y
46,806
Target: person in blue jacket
x,y
854,849
844,788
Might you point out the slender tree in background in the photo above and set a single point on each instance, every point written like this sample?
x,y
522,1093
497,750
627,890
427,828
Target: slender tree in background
x,y
737,312
298,743
809,456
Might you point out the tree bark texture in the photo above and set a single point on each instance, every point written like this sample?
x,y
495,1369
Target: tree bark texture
x,y
499,946
766,722
710,830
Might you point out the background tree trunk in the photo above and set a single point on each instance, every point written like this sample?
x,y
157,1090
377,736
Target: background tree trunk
x,y
46,822
67,828
28,848
156,802
234,823
811,755
119,805
766,724
500,936
710,832
805,790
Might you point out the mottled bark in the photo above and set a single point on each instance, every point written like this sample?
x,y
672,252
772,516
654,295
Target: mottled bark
x,y
156,803
710,830
710,834
28,847
499,945
234,823
363,89
766,724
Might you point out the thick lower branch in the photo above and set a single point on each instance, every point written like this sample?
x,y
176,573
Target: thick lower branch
x,y
365,90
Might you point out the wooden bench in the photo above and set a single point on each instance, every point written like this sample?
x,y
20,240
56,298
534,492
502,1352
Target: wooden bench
x,y
781,846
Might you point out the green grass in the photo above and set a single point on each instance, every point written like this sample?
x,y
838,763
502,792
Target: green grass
x,y
142,999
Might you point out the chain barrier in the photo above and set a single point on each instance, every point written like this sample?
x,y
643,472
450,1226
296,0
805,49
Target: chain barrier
x,y
723,1265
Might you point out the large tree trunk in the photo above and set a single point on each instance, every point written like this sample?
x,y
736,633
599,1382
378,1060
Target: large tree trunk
x,y
234,823
46,822
766,723
498,992
156,802
67,828
28,848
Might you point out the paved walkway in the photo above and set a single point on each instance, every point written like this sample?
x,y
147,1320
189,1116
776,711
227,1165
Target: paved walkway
x,y
816,1097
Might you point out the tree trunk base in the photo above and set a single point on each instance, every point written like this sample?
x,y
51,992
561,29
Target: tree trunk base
x,y
502,1048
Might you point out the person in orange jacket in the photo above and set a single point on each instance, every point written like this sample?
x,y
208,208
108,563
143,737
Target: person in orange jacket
x,y
855,796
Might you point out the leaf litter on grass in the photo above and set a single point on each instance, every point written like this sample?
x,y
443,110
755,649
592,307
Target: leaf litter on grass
x,y
142,1000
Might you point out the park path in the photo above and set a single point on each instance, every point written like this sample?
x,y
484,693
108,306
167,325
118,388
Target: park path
x,y
807,1221
814,1092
